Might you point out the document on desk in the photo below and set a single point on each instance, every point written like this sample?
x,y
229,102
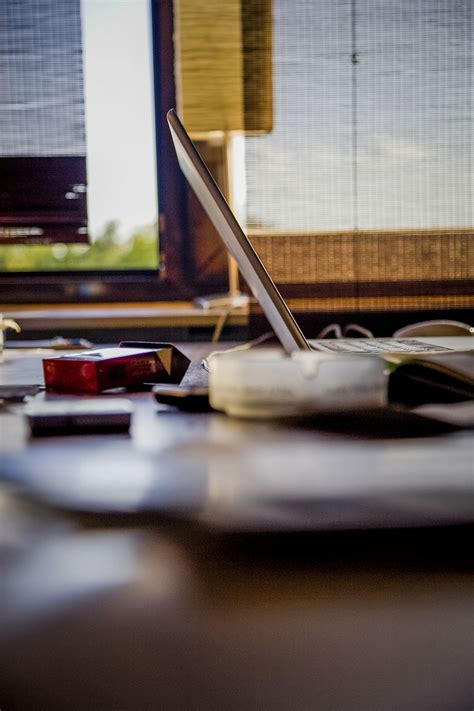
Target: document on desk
x,y
440,377
267,383
458,365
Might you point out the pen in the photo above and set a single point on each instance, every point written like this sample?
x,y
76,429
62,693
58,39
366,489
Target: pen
x,y
58,343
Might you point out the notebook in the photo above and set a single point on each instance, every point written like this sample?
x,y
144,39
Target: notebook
x,y
261,284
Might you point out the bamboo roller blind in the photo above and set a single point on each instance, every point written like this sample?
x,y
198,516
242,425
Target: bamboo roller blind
x,y
363,171
223,65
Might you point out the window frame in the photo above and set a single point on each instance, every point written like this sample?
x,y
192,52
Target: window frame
x,y
174,278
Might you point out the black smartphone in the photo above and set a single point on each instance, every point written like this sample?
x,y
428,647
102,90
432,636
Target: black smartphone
x,y
79,416
191,398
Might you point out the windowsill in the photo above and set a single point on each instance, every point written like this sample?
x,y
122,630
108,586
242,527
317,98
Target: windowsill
x,y
121,315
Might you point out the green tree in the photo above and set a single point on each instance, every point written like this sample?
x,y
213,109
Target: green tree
x,y
107,251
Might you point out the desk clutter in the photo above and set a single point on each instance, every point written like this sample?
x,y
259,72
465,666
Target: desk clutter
x,y
312,442
267,383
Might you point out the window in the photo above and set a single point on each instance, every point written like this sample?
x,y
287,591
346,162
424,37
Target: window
x,y
86,86
350,124
351,140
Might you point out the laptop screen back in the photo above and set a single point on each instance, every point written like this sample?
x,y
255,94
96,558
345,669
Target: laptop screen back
x,y
235,240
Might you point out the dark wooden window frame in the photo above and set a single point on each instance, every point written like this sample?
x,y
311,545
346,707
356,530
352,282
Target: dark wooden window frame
x,y
174,280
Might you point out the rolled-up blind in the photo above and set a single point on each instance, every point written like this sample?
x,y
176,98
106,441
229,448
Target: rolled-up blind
x,y
224,65
42,123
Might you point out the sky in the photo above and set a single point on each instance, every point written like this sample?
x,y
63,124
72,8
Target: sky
x,y
119,113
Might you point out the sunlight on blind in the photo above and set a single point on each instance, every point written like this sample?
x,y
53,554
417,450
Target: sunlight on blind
x,y
373,118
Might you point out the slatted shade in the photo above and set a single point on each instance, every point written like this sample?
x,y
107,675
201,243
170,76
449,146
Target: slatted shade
x,y
224,65
42,123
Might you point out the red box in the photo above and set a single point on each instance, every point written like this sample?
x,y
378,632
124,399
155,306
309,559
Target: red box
x,y
98,370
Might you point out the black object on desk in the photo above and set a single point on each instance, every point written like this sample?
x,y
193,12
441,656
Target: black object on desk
x,y
79,416
414,384
190,398
173,360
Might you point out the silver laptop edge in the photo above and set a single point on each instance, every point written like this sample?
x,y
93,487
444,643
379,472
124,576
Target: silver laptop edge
x,y
235,240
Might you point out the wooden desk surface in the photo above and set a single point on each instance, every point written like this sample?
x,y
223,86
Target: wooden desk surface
x,y
124,315
150,612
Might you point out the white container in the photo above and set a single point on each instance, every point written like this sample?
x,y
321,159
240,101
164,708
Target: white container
x,y
267,383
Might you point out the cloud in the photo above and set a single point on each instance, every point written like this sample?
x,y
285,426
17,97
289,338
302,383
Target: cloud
x,y
393,147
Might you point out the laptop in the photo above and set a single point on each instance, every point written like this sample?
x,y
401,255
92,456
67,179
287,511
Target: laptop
x,y
261,284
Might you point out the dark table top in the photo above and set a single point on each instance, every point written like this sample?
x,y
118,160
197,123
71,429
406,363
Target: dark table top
x,y
156,608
